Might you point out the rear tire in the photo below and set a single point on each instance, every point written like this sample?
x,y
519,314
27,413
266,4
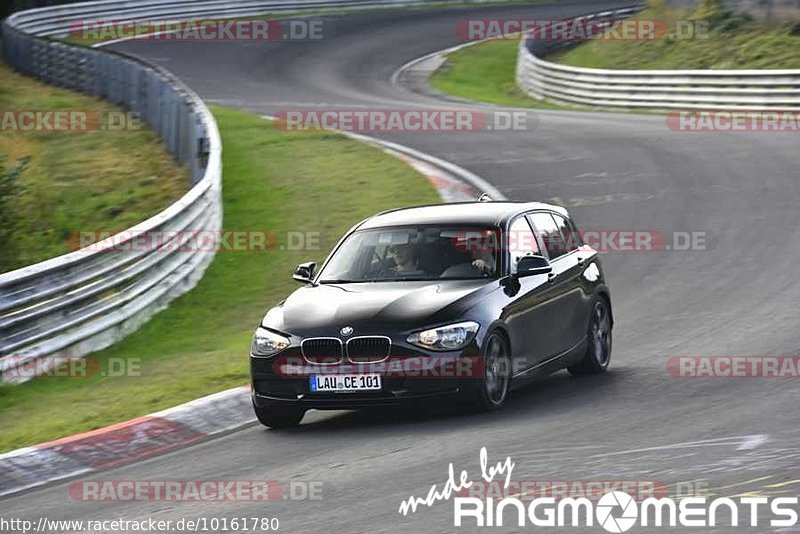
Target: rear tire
x,y
598,353
490,390
278,417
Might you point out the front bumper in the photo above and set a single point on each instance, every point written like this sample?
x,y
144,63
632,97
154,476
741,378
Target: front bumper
x,y
349,401
416,377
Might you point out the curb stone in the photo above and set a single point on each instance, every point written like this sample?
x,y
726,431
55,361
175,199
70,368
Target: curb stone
x,y
125,442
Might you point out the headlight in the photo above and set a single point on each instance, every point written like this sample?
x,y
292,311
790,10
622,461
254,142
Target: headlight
x,y
451,337
266,343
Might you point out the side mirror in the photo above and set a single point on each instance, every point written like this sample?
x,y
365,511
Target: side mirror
x,y
532,265
304,272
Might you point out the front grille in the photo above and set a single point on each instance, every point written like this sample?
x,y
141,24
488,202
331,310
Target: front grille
x,y
322,350
368,349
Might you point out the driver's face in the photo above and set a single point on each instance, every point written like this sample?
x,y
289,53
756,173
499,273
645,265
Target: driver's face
x,y
401,252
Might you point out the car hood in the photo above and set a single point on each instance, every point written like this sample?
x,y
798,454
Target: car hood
x,y
370,307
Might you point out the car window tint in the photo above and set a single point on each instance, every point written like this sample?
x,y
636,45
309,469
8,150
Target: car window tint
x,y
521,241
570,237
548,231
422,252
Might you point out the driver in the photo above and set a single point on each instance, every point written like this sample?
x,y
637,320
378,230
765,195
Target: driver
x,y
482,255
484,259
406,259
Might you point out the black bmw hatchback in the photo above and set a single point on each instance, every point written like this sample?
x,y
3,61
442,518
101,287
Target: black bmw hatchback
x,y
460,300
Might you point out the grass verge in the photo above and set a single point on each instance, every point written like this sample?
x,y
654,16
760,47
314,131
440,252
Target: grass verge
x,y
56,183
273,180
732,41
485,72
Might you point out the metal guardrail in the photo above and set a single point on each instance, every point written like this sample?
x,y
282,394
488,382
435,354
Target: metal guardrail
x,y
86,300
44,23
746,90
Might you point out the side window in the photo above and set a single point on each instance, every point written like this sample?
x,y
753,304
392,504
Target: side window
x,y
572,240
521,241
548,231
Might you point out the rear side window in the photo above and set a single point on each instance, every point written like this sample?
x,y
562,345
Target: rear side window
x,y
550,234
570,236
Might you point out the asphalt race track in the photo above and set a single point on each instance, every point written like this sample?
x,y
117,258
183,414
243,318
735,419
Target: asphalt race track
x,y
614,171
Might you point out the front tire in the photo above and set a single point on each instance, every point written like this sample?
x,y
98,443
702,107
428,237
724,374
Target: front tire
x,y
598,353
489,391
278,417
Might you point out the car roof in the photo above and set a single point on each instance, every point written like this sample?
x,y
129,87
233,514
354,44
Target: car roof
x,y
493,213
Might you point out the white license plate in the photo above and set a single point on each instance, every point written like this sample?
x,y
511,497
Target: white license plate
x,y
345,382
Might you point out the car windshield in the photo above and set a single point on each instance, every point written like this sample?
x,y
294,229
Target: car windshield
x,y
414,253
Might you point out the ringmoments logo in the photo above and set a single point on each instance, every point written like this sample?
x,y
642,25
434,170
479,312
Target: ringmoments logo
x,y
618,511
605,511
615,511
